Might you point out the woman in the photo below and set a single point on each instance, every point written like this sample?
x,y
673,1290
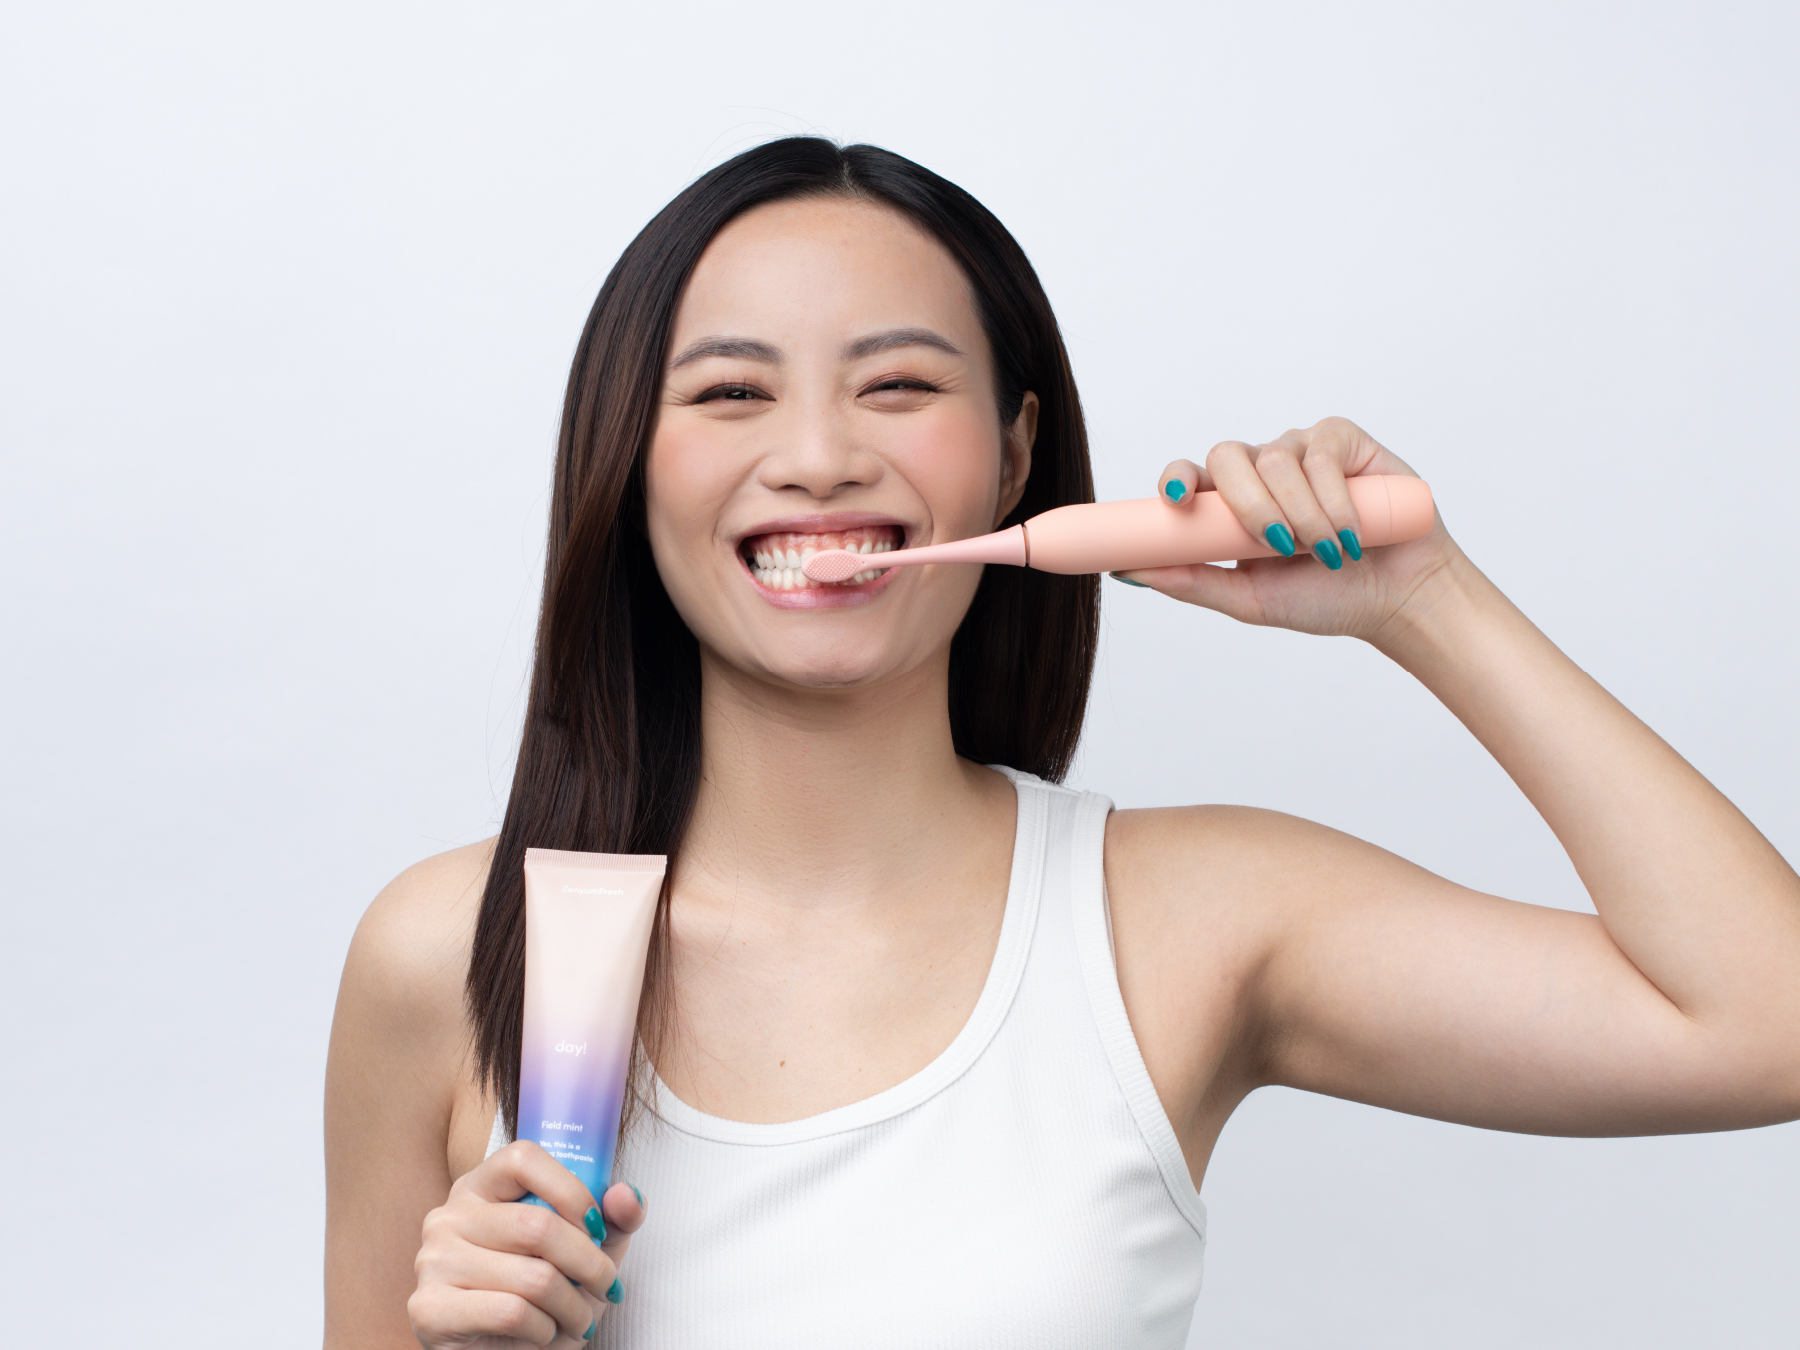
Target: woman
x,y
932,1052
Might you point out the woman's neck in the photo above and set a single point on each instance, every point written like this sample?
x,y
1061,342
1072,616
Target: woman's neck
x,y
809,799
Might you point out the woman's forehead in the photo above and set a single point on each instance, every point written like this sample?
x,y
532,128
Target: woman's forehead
x,y
826,268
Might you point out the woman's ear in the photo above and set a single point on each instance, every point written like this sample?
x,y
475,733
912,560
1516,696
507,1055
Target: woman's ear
x,y
1015,456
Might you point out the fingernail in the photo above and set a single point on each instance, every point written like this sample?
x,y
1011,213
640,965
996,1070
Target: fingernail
x,y
1176,489
588,1335
1352,545
1327,552
615,1292
1281,539
1127,580
596,1225
640,1198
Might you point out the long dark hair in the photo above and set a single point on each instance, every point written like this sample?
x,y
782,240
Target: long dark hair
x,y
610,758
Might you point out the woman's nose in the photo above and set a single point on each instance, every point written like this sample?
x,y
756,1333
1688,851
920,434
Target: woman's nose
x,y
816,450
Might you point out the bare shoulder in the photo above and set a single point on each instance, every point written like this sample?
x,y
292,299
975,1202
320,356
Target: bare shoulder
x,y
1207,891
1236,882
401,996
414,938
1202,899
1147,833
1221,858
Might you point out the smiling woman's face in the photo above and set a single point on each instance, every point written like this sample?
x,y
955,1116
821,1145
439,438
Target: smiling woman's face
x,y
829,385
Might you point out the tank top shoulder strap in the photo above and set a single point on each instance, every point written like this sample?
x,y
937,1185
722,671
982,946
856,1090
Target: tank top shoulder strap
x,y
1075,909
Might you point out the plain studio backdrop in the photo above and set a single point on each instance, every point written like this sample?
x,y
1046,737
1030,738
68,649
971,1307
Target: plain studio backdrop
x,y
289,299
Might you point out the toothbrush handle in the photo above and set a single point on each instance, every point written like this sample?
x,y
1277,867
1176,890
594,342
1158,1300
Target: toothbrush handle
x,y
1120,536
1004,546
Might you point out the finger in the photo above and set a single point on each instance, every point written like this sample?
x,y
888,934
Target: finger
x,y
1337,450
1181,479
443,1313
625,1206
536,1281
522,1168
1233,470
625,1210
1222,589
479,1246
532,1230
1278,464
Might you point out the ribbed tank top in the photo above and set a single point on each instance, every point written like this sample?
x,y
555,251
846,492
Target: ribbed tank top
x,y
1024,1189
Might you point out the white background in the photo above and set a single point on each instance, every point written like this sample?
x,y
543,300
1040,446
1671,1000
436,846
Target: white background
x,y
288,300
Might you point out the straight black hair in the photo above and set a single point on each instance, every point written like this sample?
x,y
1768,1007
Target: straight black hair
x,y
610,757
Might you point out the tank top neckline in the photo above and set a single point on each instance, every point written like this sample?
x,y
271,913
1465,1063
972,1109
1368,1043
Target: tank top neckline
x,y
1017,924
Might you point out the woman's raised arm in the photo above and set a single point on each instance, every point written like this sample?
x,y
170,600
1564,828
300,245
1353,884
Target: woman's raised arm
x,y
1372,979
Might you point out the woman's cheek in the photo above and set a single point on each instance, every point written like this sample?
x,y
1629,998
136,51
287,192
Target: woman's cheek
x,y
684,493
953,460
681,473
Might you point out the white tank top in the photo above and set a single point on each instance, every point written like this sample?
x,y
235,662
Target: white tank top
x,y
1022,1191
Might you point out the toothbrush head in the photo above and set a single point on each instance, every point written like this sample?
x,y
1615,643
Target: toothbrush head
x,y
836,564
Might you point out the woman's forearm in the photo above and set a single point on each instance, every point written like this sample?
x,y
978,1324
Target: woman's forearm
x,y
1691,892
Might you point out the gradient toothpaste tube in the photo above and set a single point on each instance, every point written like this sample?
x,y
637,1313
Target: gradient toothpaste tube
x,y
587,933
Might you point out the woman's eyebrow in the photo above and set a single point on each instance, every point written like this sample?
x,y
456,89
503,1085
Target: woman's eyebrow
x,y
748,349
899,337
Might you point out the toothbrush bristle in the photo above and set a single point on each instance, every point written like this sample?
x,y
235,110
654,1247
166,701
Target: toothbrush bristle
x,y
835,564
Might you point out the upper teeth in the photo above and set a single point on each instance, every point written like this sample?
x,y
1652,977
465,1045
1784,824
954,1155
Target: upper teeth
x,y
779,569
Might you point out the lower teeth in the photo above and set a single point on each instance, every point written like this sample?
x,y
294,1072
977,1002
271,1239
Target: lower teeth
x,y
792,579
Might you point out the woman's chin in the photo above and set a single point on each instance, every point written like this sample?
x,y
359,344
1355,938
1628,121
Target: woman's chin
x,y
836,676
834,669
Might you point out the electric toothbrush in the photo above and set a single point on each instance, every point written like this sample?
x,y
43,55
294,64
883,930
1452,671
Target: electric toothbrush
x,y
1124,536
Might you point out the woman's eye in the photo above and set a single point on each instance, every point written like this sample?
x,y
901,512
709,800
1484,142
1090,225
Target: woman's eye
x,y
902,384
730,393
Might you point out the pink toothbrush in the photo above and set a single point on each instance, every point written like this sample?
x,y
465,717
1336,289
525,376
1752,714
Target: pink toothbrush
x,y
1122,536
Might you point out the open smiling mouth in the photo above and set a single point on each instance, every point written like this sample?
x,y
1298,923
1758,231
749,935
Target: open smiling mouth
x,y
775,559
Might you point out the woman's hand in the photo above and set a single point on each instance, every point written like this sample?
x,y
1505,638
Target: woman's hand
x,y
498,1275
1673,1009
1291,493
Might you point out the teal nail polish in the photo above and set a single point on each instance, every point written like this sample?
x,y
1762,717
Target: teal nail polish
x,y
615,1292
1327,552
640,1198
596,1225
588,1335
1127,580
1352,545
1281,539
1176,489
